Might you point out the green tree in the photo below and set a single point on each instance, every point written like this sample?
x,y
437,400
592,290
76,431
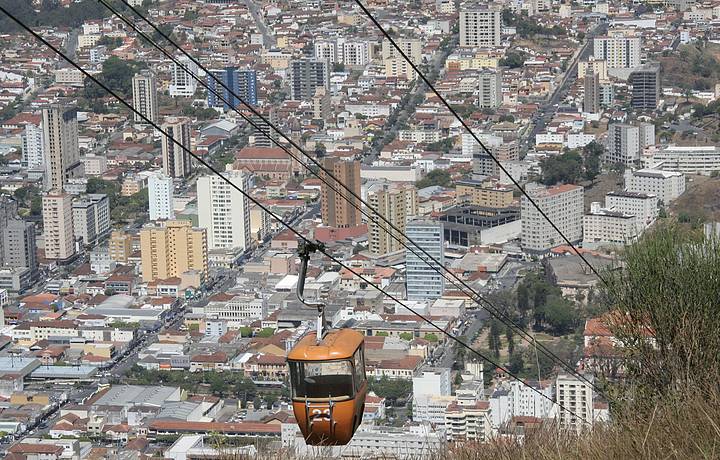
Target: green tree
x,y
560,315
516,363
435,177
566,168
513,59
510,337
430,337
266,332
494,338
407,336
523,298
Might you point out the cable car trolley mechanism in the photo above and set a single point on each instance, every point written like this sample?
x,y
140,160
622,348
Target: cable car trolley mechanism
x,y
327,375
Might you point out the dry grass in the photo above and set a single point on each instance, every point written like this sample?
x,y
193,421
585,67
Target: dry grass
x,y
701,199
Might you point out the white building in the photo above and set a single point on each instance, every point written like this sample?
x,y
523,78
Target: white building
x,y
183,84
516,399
643,206
563,205
237,311
577,396
91,217
606,226
33,150
689,160
225,212
489,88
431,395
356,53
423,274
480,27
619,51
626,142
326,49
667,185
468,422
160,195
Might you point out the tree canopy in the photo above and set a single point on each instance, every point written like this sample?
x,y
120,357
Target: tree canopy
x,y
435,177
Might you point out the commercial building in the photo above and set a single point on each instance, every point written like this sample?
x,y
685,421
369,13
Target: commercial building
x,y
176,160
470,225
666,185
646,87
483,194
618,50
480,27
183,83
425,240
236,310
563,205
171,249
339,208
608,227
231,80
160,195
91,217
144,90
490,88
58,226
225,212
397,204
60,145
306,75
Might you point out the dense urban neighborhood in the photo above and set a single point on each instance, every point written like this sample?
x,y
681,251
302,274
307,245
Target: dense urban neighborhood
x,y
471,172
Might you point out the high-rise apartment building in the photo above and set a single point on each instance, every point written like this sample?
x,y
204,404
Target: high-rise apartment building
x,y
60,145
91,217
593,65
321,104
337,208
618,50
625,142
225,212
176,160
355,53
591,98
160,195
58,226
263,134
306,75
576,395
480,27
183,83
232,80
563,205
144,90
646,87
172,248
33,149
395,64
327,50
490,88
422,279
120,247
17,237
397,203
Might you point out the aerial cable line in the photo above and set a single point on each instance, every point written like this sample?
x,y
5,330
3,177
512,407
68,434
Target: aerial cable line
x,y
474,295
475,137
272,214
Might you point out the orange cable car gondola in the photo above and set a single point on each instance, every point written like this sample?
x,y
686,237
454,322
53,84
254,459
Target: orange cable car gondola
x,y
327,375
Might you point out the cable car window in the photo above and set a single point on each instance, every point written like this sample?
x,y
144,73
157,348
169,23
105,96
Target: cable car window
x,y
324,379
359,368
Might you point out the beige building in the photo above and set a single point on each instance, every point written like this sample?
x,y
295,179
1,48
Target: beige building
x,y
171,249
479,194
321,104
120,246
176,160
337,208
563,205
397,203
480,27
395,65
60,142
145,97
58,226
468,422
